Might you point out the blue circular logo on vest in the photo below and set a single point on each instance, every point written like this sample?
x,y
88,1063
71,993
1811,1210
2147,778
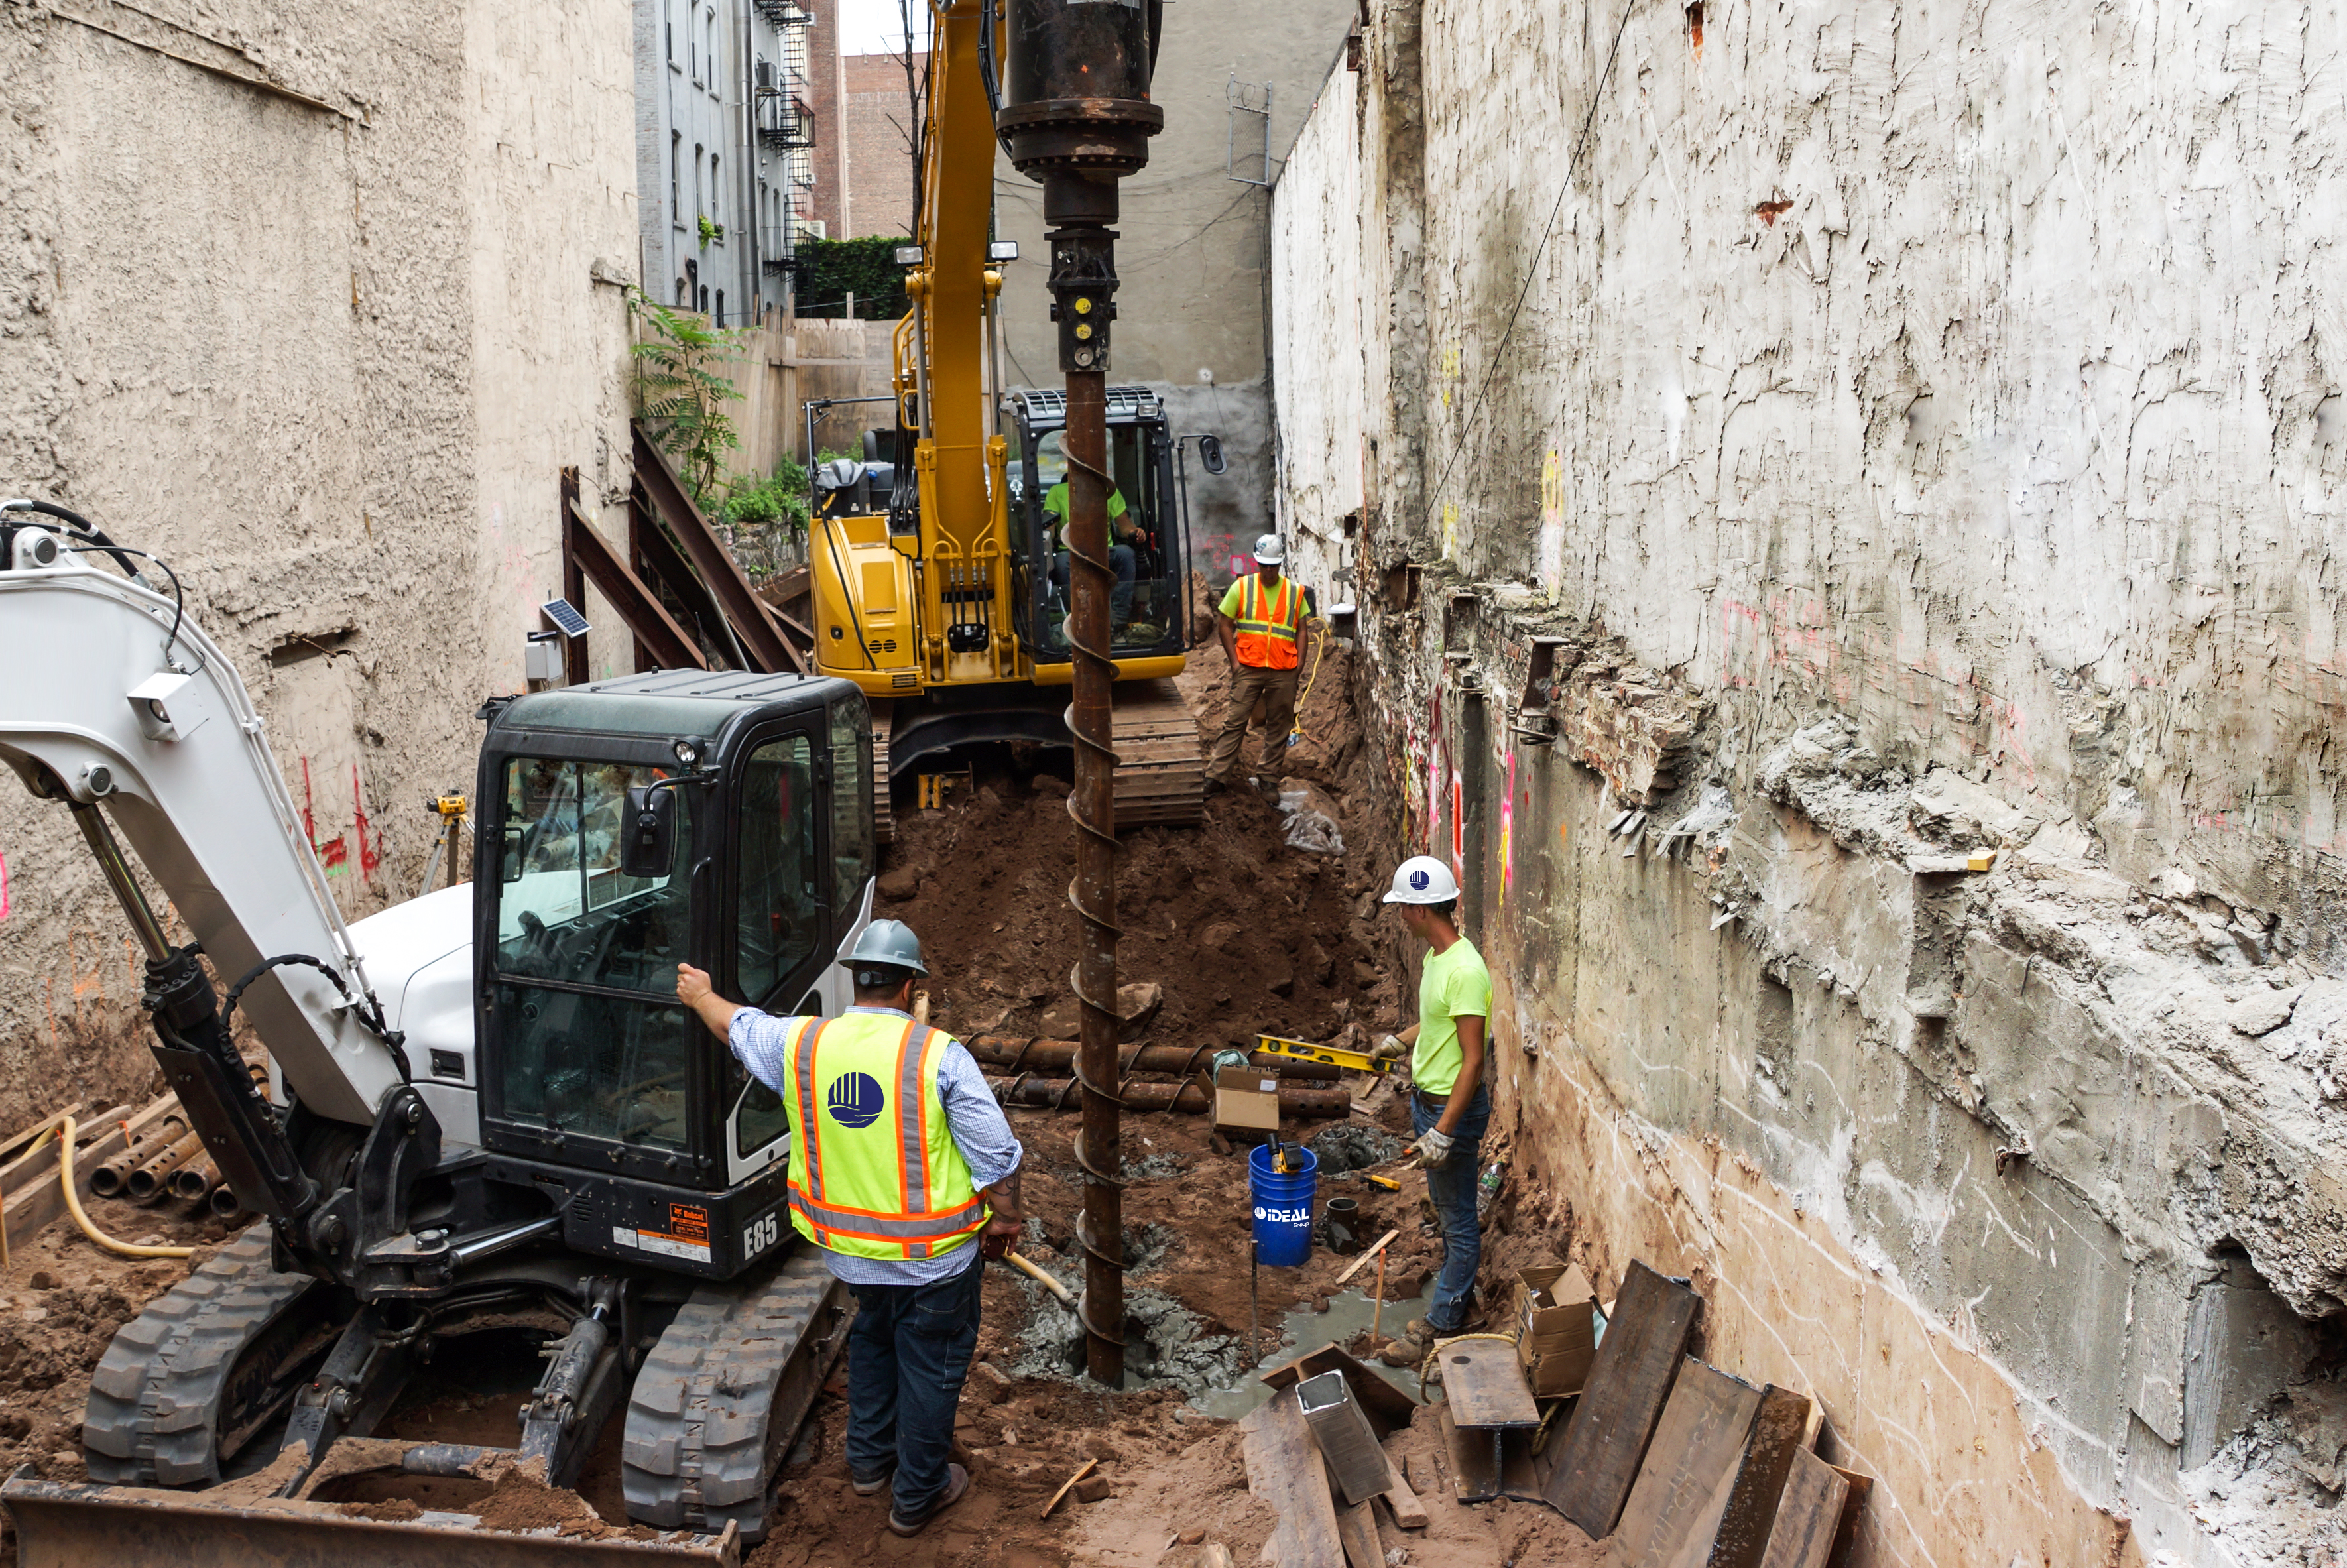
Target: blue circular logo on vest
x,y
1418,881
855,1100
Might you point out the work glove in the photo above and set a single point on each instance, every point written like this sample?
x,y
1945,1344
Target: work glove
x,y
1432,1149
1390,1049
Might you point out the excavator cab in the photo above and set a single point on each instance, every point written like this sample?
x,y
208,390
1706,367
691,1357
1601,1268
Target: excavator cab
x,y
1148,543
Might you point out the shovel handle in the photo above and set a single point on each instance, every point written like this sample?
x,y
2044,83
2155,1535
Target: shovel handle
x,y
1067,1298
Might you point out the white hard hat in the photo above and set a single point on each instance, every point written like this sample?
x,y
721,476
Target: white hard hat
x,y
885,953
1423,879
1269,551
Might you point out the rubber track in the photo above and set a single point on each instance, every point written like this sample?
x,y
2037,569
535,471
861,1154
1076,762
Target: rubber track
x,y
153,1416
697,1451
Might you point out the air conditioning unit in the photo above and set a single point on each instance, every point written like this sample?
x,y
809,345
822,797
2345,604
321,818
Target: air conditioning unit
x,y
766,74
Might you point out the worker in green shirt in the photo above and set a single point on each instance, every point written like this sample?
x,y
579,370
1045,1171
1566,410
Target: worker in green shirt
x,y
1449,1104
1120,557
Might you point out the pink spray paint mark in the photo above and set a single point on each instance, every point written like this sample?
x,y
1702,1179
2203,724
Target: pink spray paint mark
x,y
4,888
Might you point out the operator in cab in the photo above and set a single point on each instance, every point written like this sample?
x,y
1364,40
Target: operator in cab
x,y
1122,532
902,1170
1261,622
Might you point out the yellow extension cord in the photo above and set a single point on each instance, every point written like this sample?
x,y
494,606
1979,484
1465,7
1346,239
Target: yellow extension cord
x,y
73,1202
1320,657
1435,1349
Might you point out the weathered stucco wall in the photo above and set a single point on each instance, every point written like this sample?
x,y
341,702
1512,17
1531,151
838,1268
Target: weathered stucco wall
x,y
1919,428
327,359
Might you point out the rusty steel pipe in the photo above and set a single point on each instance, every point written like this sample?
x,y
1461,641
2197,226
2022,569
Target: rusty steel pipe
x,y
146,1179
195,1179
1037,1093
108,1180
1058,1056
224,1202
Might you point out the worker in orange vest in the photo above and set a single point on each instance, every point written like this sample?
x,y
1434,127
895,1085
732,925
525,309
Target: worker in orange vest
x,y
1261,623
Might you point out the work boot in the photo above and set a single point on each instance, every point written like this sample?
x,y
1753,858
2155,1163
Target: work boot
x,y
874,1486
1409,1351
1213,787
957,1487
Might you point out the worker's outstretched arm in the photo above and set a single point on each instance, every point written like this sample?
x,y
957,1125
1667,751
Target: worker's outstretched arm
x,y
1226,629
692,989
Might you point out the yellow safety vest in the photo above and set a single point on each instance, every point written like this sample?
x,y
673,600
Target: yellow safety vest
x,y
1267,628
874,1170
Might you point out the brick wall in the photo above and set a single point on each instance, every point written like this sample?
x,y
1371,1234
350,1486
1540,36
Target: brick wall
x,y
876,136
825,202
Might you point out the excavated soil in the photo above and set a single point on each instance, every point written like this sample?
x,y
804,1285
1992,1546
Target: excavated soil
x,y
1245,935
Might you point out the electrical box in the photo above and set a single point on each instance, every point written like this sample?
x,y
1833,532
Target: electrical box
x,y
542,661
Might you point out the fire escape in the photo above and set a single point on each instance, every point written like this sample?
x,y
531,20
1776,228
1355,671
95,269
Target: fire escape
x,y
784,126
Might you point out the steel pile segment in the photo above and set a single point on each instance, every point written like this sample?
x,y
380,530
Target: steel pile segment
x,y
64,1525
648,619
753,621
722,1394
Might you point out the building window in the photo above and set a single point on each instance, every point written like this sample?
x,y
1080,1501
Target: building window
x,y
700,201
675,152
704,299
683,295
667,31
713,50
717,196
720,307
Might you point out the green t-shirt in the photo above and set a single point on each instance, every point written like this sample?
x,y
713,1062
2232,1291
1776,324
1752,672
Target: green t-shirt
x,y
1453,985
1055,509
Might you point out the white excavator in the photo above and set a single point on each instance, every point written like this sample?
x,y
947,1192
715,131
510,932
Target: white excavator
x,y
487,1108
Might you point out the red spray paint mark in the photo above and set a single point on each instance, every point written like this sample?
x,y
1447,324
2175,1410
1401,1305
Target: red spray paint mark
x,y
1768,211
370,855
1695,26
332,854
309,818
4,888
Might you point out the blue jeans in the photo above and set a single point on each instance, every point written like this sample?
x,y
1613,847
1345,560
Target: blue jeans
x,y
1451,1185
1121,560
908,1354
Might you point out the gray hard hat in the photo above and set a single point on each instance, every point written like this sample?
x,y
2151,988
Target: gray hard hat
x,y
887,951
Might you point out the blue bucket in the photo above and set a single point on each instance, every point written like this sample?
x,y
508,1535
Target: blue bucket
x,y
1283,1208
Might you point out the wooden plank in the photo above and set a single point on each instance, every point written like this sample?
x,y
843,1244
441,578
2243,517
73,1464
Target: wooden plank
x,y
1852,1505
16,1145
1474,1459
1401,1502
1355,1267
1285,1471
1808,1516
1683,1483
1486,1385
1646,1332
1357,1527
1742,1539
1067,1486
1388,1408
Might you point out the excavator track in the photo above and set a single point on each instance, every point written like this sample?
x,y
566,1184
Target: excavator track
x,y
1160,767
182,1371
725,1391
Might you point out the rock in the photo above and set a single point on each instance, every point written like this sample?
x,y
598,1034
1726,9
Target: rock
x,y
1317,960
1044,783
901,884
987,801
2263,1011
1137,1004
1278,973
1094,1488
1191,1537
1319,1304
1365,973
987,1385
43,1280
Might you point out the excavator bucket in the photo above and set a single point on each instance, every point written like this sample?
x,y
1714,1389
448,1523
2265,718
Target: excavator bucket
x,y
66,1525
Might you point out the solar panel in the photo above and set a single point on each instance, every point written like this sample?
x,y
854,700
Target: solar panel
x,y
565,619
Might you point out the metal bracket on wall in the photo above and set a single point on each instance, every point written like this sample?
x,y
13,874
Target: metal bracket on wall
x,y
1251,101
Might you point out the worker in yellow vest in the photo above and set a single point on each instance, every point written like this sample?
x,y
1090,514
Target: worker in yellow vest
x,y
900,1159
1261,623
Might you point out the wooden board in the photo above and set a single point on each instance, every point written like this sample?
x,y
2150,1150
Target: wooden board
x,y
1683,1484
1852,1505
1401,1500
1808,1515
1474,1459
1285,1471
1388,1408
1357,1529
1646,1332
1742,1539
1485,1384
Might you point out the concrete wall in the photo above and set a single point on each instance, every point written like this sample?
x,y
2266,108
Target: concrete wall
x,y
326,358
1193,246
1917,426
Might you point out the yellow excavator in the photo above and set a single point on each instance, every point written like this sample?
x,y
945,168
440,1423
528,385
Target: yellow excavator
x,y
944,599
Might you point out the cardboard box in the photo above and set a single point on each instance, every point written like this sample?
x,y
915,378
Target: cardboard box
x,y
1556,1328
1246,1104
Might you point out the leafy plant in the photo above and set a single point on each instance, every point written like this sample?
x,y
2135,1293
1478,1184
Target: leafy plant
x,y
711,234
778,499
681,390
831,270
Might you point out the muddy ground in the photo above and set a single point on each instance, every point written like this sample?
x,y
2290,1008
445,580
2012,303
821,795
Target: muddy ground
x,y
1245,935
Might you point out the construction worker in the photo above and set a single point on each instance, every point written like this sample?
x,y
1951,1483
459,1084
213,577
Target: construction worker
x,y
1449,1104
1123,533
1261,623
863,1090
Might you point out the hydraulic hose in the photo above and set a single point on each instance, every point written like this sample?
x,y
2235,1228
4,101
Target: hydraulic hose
x,y
73,1202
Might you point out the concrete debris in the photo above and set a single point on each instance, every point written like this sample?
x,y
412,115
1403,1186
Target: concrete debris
x,y
2262,1013
1353,1146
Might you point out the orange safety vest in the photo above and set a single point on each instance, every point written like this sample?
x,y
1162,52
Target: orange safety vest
x,y
1267,628
873,1169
